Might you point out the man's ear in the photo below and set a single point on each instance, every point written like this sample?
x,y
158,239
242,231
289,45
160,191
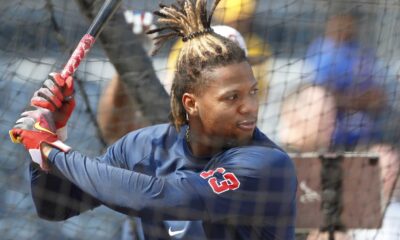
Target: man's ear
x,y
189,103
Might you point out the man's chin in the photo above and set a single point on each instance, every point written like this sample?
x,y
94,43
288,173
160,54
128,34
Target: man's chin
x,y
237,141
232,140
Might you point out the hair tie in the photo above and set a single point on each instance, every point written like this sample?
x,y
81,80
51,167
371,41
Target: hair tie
x,y
197,34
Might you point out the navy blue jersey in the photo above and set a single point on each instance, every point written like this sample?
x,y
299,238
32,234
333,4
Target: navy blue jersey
x,y
245,192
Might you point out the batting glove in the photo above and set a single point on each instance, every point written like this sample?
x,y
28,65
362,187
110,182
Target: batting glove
x,y
34,129
57,95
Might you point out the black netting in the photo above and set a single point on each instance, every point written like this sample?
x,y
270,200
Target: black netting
x,y
323,89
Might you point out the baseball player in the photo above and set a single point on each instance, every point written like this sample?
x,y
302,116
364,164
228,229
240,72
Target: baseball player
x,y
210,168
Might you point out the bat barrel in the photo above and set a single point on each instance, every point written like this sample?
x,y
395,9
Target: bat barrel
x,y
106,11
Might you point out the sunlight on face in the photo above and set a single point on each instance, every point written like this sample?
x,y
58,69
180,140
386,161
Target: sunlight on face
x,y
228,105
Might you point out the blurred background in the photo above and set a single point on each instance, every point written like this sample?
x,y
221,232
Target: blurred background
x,y
328,73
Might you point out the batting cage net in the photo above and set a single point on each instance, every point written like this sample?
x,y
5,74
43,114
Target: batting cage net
x,y
328,74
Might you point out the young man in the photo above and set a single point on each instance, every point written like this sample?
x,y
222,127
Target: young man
x,y
210,166
119,114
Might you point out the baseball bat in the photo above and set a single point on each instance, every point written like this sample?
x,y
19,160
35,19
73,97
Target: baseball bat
x,y
106,11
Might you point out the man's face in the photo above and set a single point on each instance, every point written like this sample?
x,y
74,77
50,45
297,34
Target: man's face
x,y
227,107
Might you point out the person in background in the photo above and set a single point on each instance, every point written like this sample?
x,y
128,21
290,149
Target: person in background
x,y
343,109
347,70
345,74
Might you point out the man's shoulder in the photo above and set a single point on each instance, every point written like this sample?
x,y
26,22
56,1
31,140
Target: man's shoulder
x,y
153,131
260,154
148,135
265,155
261,140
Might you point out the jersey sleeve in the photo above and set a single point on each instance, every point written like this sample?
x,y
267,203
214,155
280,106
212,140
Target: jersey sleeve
x,y
132,148
56,198
233,190
130,192
115,155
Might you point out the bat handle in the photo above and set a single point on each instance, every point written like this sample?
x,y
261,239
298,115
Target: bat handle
x,y
79,53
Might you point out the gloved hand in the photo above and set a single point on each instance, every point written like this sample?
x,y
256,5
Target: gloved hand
x,y
34,129
57,95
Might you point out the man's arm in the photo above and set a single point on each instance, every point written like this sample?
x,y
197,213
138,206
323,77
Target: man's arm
x,y
55,198
224,193
373,100
129,192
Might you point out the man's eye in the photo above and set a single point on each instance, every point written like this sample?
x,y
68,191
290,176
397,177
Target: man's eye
x,y
254,91
232,97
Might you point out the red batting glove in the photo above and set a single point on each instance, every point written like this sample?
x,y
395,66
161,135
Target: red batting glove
x,y
33,129
57,95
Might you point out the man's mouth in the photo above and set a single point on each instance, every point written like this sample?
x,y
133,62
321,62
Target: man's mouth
x,y
247,125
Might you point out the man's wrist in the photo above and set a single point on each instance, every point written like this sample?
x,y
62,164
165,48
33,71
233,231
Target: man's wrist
x,y
62,133
46,149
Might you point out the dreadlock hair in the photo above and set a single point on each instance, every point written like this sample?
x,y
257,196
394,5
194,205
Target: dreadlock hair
x,y
202,49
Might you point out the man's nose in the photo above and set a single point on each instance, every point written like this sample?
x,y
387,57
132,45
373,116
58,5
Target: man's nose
x,y
249,105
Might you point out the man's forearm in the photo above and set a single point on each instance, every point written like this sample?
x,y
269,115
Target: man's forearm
x,y
371,100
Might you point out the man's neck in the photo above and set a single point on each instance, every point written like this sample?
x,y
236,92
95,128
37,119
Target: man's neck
x,y
202,150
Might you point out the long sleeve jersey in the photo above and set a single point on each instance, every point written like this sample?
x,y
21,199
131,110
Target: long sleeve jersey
x,y
245,192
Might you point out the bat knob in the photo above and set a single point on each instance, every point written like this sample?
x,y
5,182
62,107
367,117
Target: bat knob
x,y
14,137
